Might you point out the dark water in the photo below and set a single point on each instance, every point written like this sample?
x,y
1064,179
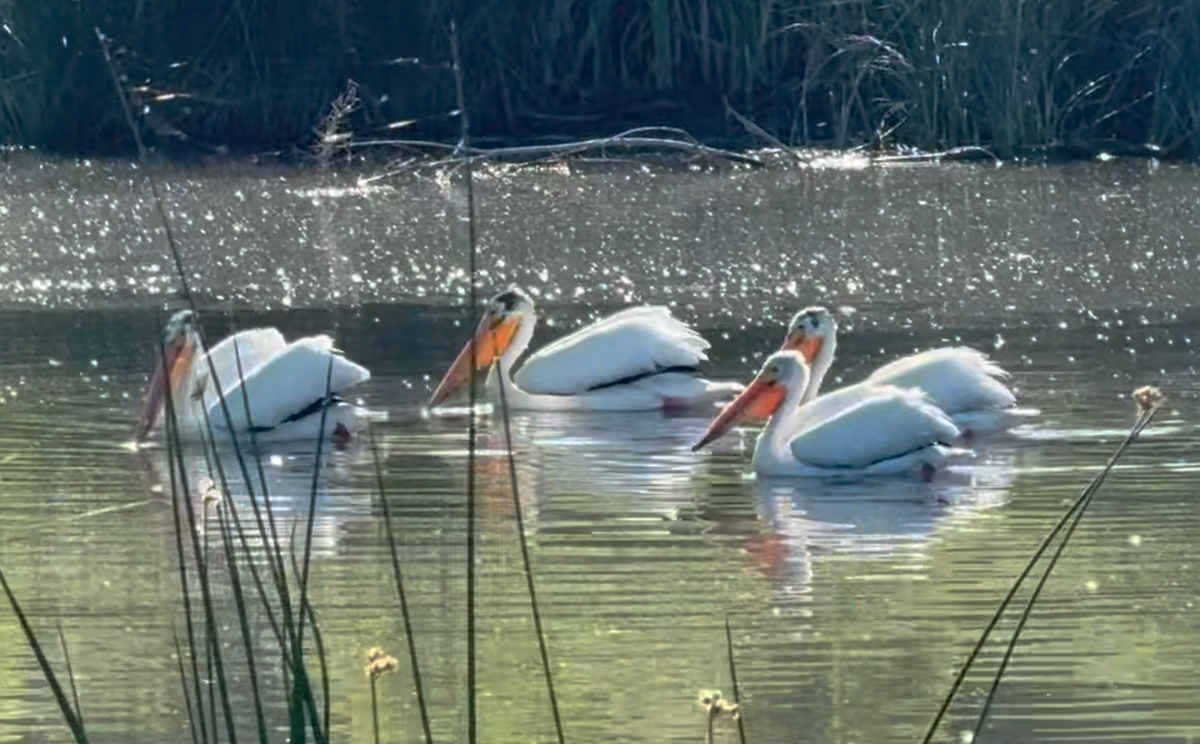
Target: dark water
x,y
852,604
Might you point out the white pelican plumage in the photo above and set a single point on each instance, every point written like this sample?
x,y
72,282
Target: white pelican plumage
x,y
640,359
859,430
961,381
283,383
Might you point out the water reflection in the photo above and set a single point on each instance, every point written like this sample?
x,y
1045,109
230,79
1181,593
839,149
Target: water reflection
x,y
853,603
633,468
281,480
892,520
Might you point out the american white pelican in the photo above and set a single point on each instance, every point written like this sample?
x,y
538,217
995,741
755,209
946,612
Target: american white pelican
x,y
284,383
859,430
640,359
961,381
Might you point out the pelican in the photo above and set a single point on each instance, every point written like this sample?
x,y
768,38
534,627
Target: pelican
x,y
859,430
640,359
283,383
961,381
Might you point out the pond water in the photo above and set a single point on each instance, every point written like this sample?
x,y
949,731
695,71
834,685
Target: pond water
x,y
852,604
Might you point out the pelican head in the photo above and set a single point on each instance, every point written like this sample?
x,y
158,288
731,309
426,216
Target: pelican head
x,y
810,330
505,314
174,365
762,397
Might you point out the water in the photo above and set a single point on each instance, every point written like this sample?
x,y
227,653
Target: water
x,y
852,604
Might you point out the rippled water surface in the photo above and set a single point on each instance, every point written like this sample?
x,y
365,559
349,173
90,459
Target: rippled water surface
x,y
852,604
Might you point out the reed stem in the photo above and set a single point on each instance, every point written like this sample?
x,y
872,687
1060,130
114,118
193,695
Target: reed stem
x,y
1076,510
473,274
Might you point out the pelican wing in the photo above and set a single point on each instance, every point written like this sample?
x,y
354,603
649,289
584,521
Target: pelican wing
x,y
633,342
289,383
956,379
251,347
829,405
886,422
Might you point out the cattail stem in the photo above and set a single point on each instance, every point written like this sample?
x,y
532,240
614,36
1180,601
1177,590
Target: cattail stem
x,y
374,710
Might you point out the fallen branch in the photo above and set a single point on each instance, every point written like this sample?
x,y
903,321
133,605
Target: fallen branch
x,y
956,153
624,140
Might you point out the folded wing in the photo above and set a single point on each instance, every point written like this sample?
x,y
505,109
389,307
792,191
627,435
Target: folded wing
x,y
956,379
634,342
289,383
251,347
884,423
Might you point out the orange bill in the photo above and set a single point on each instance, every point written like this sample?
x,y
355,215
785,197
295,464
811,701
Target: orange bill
x,y
490,341
764,406
169,372
808,347
759,396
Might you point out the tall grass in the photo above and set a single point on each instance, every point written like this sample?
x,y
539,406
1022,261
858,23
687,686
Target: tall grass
x,y
201,581
1017,76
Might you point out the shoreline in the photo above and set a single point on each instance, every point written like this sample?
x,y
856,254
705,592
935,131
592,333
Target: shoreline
x,y
612,150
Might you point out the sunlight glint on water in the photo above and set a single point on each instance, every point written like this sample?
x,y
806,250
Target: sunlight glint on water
x,y
852,604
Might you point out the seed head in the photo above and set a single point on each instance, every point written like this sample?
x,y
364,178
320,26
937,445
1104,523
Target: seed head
x,y
380,663
209,491
381,666
1147,398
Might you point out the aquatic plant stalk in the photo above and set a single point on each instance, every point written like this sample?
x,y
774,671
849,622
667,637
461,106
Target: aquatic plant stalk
x,y
183,683
472,428
181,555
533,603
212,639
243,621
292,627
1076,511
73,721
374,710
1079,508
733,678
62,638
185,292
319,645
299,673
409,635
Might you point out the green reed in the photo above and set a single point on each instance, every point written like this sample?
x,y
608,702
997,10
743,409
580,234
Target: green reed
x,y
1149,400
282,597
1016,76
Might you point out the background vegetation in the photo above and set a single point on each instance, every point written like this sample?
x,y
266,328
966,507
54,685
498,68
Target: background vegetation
x,y
1018,76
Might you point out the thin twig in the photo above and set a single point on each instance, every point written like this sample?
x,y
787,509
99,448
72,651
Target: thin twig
x,y
137,137
278,568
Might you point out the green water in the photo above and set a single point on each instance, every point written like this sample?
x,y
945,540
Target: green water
x,y
852,604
